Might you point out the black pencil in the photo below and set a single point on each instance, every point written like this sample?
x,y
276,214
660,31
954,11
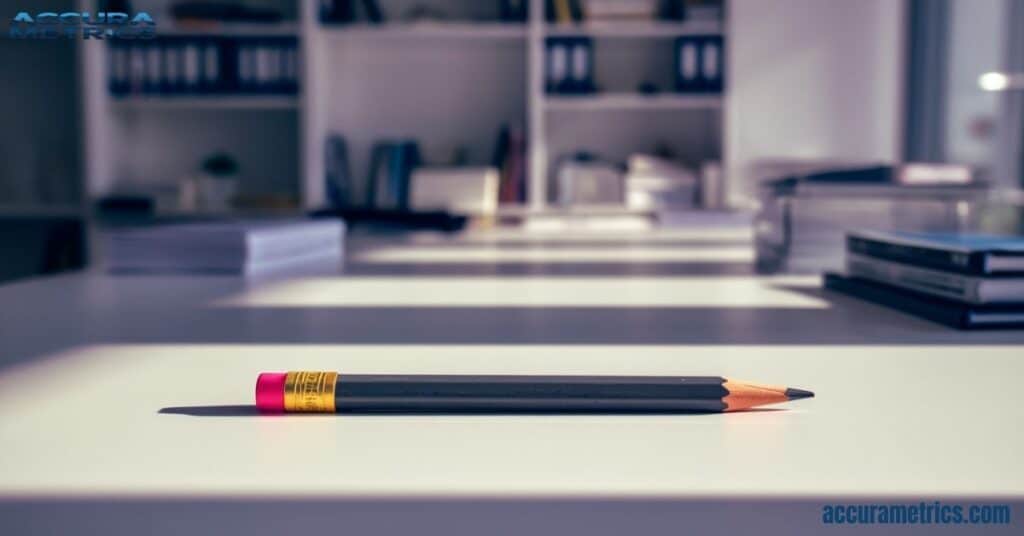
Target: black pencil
x,y
330,392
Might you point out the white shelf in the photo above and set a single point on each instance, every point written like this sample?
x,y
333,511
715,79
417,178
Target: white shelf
x,y
513,209
233,30
232,102
633,101
429,30
635,29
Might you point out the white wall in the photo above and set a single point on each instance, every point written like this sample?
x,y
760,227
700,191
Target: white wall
x,y
812,79
977,44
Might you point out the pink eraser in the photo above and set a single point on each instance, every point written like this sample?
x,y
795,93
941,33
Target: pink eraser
x,y
270,392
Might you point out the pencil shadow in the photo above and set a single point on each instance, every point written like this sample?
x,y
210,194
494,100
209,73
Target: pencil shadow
x,y
251,411
212,411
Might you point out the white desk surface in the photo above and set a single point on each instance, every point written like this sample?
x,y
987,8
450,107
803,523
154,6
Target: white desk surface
x,y
904,408
910,421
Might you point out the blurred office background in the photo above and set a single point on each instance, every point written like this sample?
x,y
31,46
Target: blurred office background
x,y
585,112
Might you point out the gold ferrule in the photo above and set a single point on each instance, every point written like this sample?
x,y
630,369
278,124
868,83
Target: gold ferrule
x,y
309,392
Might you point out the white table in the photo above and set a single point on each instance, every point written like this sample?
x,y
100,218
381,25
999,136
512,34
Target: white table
x,y
123,405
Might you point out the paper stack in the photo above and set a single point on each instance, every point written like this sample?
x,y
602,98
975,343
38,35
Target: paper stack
x,y
228,247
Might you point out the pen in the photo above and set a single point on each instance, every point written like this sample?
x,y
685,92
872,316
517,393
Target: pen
x,y
330,392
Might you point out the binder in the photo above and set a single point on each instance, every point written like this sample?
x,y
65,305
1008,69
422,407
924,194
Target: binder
x,y
396,186
337,173
270,65
377,194
688,66
245,68
172,82
570,65
191,66
153,61
260,50
391,166
119,68
337,11
513,10
700,64
137,69
582,62
203,65
212,68
712,63
274,53
557,65
290,68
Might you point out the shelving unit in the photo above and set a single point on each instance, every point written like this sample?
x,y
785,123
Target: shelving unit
x,y
619,120
139,143
450,85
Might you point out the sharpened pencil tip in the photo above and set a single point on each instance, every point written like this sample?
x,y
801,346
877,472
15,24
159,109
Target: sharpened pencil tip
x,y
796,394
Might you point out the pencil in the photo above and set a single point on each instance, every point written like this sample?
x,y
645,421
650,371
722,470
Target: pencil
x,y
330,392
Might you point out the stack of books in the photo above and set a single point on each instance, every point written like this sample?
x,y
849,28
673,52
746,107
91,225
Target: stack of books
x,y
965,281
228,247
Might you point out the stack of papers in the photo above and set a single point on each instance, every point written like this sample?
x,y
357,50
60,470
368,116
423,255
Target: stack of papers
x,y
236,247
659,184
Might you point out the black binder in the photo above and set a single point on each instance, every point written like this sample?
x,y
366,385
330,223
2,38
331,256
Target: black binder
x,y
569,65
212,66
700,64
337,173
391,167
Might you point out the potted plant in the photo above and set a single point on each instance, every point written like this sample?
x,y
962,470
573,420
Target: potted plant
x,y
218,184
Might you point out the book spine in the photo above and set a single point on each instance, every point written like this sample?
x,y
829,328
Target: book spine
x,y
191,66
943,284
212,77
173,80
395,175
154,55
949,261
900,301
